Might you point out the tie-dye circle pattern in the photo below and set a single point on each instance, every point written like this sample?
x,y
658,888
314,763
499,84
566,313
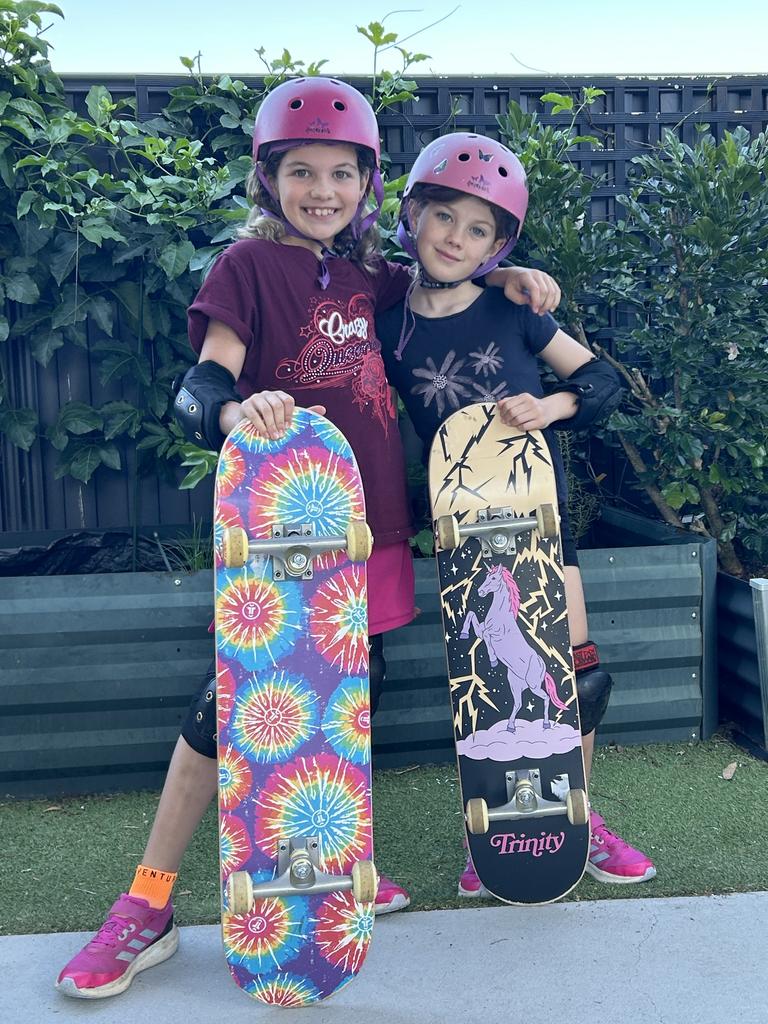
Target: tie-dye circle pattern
x,y
309,486
347,721
338,620
273,717
231,471
287,990
343,929
257,621
235,778
234,843
268,937
323,796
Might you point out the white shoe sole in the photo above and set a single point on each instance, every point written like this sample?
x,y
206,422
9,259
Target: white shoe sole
x,y
151,957
481,893
608,879
396,903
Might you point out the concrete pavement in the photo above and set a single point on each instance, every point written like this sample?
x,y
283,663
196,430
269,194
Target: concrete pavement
x,y
640,961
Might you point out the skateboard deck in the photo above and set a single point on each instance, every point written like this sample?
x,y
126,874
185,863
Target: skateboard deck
x,y
293,716
510,666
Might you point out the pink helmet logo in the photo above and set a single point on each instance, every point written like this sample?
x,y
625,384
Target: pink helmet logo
x,y
318,127
480,182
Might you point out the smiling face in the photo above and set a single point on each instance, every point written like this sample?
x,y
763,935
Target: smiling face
x,y
320,188
454,238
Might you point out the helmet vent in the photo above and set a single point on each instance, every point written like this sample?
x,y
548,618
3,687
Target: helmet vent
x,y
503,171
464,157
296,104
338,105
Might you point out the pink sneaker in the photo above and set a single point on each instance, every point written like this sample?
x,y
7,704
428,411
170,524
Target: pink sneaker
x,y
133,937
469,884
613,860
390,897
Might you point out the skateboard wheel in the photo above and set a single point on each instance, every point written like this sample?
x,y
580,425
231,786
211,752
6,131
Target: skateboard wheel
x,y
547,520
359,541
447,529
234,547
365,881
477,816
577,807
239,892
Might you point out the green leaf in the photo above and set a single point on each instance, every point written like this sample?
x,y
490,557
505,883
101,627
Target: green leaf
x,y
102,312
86,462
110,456
120,418
63,258
99,103
25,202
19,426
21,288
96,229
44,343
79,418
174,259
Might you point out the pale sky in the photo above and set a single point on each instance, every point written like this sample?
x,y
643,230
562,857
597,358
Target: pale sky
x,y
504,38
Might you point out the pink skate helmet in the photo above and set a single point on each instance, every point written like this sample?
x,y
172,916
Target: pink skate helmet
x,y
477,166
315,110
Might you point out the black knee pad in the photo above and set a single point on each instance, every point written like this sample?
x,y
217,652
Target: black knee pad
x,y
377,668
199,728
593,686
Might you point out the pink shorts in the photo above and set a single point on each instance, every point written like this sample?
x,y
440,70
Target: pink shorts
x,y
390,587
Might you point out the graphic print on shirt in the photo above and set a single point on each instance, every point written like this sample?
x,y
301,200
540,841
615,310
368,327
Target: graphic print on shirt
x,y
342,350
449,385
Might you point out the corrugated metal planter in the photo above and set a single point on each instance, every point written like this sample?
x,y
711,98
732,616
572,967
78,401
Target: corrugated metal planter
x,y
651,602
97,670
742,610
96,674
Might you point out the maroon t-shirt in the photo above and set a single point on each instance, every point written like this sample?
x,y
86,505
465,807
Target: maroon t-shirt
x,y
320,347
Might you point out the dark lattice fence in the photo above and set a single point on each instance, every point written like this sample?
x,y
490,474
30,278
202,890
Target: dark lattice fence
x,y
632,114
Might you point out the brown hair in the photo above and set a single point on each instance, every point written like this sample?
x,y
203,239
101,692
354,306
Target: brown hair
x,y
507,224
361,250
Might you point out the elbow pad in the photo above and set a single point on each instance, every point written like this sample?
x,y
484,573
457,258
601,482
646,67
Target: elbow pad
x,y
206,387
598,389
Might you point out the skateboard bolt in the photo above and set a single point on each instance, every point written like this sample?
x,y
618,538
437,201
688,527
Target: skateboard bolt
x,y
298,562
499,541
525,798
302,870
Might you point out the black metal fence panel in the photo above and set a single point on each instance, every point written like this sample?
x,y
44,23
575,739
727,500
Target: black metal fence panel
x,y
632,114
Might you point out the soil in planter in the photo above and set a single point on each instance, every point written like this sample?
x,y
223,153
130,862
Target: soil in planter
x,y
80,553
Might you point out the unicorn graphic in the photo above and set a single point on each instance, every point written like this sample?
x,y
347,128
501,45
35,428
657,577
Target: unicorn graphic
x,y
506,643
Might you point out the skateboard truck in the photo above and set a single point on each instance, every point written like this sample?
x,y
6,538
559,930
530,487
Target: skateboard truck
x,y
497,529
299,871
294,546
526,800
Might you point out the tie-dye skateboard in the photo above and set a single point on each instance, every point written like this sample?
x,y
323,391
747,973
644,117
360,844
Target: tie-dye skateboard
x,y
512,684
295,827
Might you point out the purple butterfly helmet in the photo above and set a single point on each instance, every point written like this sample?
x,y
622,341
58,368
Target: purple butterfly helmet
x,y
477,166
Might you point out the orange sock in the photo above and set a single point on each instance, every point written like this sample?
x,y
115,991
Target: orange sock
x,y
152,885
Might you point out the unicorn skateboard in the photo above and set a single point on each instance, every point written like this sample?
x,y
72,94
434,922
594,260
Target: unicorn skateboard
x,y
295,824
510,668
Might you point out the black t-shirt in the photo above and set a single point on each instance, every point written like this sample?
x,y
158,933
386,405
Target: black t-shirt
x,y
486,352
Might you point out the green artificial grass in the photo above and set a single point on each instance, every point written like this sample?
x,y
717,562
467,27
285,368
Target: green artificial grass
x,y
65,861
